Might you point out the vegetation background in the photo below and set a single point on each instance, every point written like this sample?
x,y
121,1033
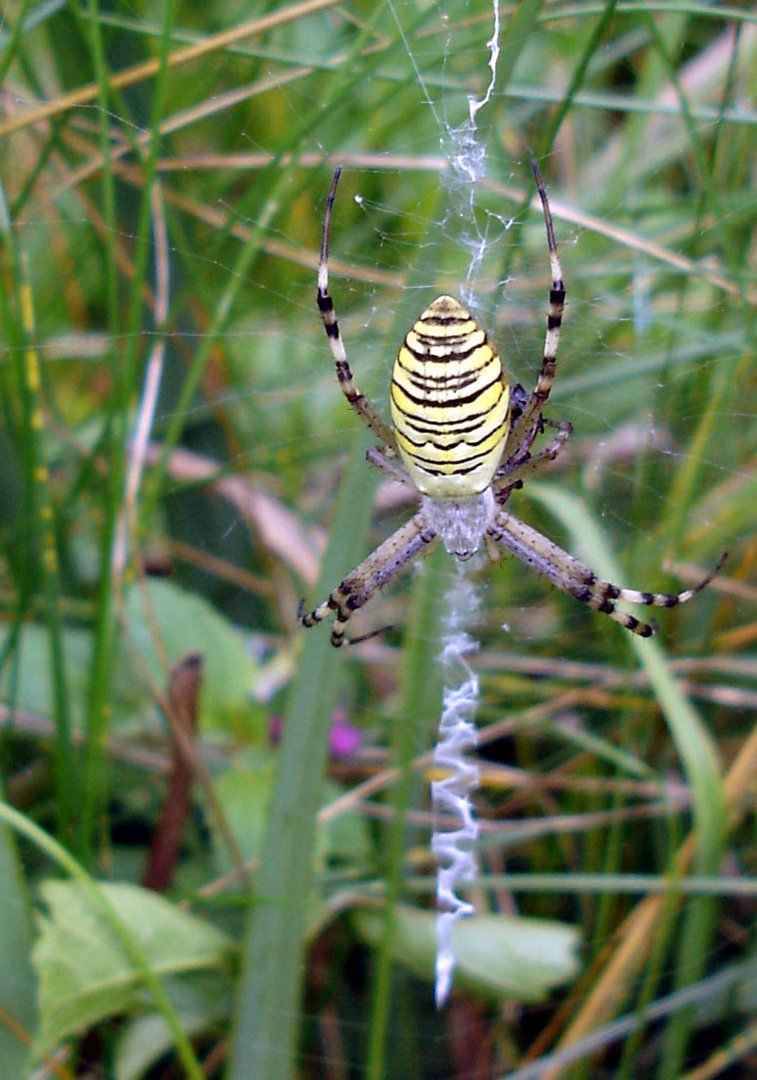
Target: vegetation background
x,y
215,850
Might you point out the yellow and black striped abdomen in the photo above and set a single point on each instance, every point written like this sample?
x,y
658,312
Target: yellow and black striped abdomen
x,y
450,403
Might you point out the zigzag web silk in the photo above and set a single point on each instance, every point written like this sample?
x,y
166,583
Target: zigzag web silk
x,y
454,846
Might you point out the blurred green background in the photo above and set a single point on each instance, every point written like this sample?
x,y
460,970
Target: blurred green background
x,y
179,467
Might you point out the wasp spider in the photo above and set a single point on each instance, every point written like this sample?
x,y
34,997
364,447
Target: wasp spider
x,y
462,438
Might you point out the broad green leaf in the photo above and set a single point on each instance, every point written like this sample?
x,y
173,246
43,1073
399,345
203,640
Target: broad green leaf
x,y
26,682
83,973
244,792
163,625
201,1003
501,957
344,839
184,624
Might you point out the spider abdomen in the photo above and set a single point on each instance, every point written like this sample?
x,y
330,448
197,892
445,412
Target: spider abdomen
x,y
450,403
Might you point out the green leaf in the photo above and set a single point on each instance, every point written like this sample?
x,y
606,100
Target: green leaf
x,y
244,792
497,956
345,838
187,624
201,1003
84,975
163,625
28,682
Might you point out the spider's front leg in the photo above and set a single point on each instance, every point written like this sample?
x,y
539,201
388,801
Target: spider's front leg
x,y
357,400
369,578
527,426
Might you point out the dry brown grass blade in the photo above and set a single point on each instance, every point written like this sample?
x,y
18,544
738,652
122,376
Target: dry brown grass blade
x,y
625,238
86,94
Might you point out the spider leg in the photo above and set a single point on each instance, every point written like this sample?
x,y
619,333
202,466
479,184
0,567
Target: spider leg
x,y
576,579
378,456
527,426
370,577
357,401
513,472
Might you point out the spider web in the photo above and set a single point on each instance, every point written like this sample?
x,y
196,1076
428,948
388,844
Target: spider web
x,y
622,342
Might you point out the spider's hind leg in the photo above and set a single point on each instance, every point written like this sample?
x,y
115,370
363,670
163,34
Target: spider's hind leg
x,y
601,596
573,577
654,599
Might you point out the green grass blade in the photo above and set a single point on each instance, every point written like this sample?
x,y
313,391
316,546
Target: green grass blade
x,y
700,762
268,1003
695,747
18,987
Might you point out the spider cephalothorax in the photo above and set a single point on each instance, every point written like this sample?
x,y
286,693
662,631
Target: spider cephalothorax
x,y
462,439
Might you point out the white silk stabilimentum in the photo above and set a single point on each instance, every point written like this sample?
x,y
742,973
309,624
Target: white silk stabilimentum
x,y
451,796
461,533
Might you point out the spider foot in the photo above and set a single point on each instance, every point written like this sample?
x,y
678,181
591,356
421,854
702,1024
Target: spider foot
x,y
713,573
365,637
308,618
